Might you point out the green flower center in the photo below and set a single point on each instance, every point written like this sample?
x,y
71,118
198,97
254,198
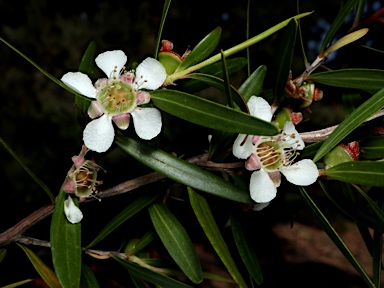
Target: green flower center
x,y
117,97
270,155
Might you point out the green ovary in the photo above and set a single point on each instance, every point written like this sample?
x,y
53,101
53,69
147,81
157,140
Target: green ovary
x,y
269,155
117,97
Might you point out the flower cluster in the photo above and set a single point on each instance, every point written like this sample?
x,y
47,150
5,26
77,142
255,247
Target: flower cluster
x,y
117,98
271,155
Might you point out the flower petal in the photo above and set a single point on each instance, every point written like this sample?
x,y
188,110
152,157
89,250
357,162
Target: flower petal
x,y
71,211
262,187
99,133
147,122
260,108
245,150
294,139
150,74
80,83
302,173
95,110
122,120
111,62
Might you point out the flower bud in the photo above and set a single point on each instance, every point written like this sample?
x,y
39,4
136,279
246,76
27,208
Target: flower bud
x,y
342,153
286,114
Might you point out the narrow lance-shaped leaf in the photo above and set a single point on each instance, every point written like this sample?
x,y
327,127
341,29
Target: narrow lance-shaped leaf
x,y
88,279
44,271
176,241
202,50
334,236
367,109
358,172
254,83
372,148
210,114
182,171
167,3
149,275
207,221
65,246
17,284
227,83
343,13
124,215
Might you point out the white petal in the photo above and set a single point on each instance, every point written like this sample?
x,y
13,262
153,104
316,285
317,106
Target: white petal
x,y
262,187
72,212
98,134
150,74
245,150
80,83
301,173
111,62
260,108
147,122
293,138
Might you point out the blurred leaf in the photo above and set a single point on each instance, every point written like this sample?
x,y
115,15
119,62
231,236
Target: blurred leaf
x,y
372,148
18,284
359,78
220,140
369,173
246,250
210,114
193,86
124,215
3,252
88,279
202,50
65,245
87,66
181,171
44,271
167,3
253,85
29,171
351,102
343,13
334,236
140,243
176,241
137,281
220,84
207,221
310,151
358,116
217,277
149,275
227,83
284,58
50,76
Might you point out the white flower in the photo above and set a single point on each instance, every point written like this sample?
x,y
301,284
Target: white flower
x,y
71,211
270,155
117,97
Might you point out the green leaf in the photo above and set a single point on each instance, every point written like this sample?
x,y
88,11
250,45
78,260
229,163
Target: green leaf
x,y
334,236
220,84
351,102
44,271
372,148
343,13
182,171
65,245
202,50
167,3
88,279
140,243
207,221
176,241
284,58
227,84
246,251
378,249
254,83
361,78
193,86
358,116
210,114
358,172
18,284
3,252
124,215
87,66
149,275
29,171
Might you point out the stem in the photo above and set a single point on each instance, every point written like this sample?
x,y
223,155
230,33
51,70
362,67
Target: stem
x,y
179,75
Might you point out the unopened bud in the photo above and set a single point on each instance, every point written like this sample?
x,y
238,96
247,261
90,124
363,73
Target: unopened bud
x,y
342,153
